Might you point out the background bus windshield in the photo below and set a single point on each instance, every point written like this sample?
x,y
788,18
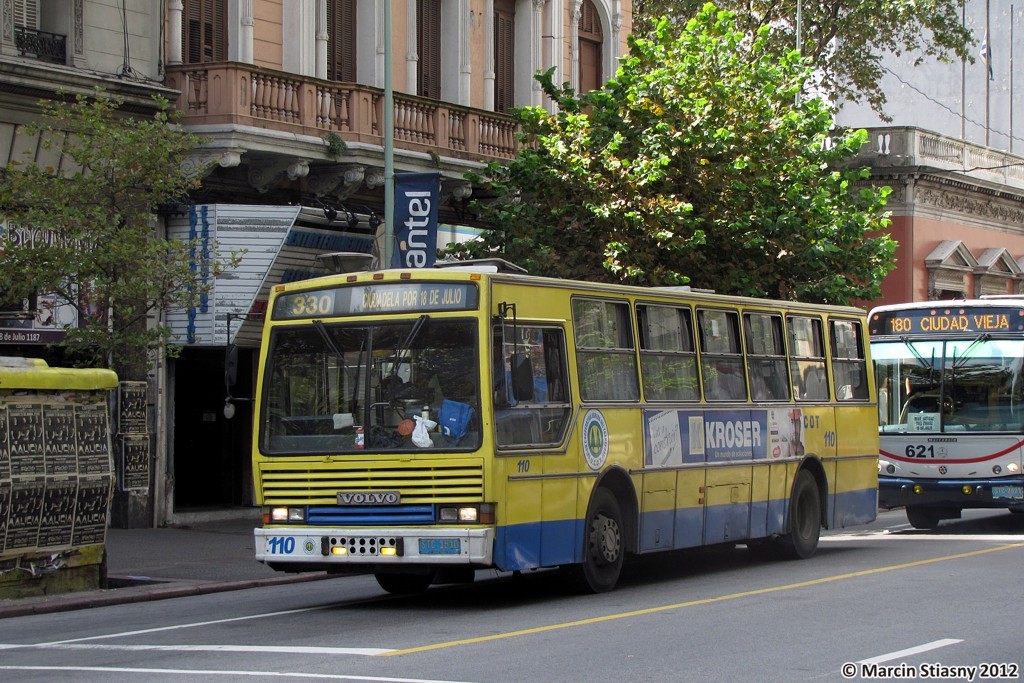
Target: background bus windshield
x,y
356,388
950,386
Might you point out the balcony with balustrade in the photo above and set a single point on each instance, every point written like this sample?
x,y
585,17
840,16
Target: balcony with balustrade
x,y
266,114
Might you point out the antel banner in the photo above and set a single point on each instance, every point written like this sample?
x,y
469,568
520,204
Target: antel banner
x,y
416,199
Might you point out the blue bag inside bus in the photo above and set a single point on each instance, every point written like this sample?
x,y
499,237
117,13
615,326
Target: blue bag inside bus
x,y
455,418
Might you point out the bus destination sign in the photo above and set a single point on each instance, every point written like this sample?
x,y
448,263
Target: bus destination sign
x,y
967,319
374,298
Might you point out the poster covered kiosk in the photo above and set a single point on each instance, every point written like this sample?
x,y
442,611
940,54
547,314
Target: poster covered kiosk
x,y
56,476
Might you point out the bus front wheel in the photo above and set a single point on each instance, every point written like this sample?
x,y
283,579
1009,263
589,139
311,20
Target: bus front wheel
x,y
924,517
404,583
603,545
804,519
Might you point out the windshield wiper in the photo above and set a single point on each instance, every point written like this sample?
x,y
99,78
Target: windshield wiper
x,y
917,354
328,339
403,349
983,337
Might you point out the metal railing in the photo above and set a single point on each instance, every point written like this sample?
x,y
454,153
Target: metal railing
x,y
49,47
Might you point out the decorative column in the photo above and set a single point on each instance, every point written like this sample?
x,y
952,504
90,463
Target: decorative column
x,y
613,53
412,56
465,60
488,55
536,56
321,39
245,34
575,12
175,9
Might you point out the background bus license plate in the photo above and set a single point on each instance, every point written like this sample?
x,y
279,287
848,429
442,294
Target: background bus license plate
x,y
1006,492
440,546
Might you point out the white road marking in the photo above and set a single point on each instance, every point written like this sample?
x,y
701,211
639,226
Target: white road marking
x,y
123,634
213,672
910,651
281,649
920,536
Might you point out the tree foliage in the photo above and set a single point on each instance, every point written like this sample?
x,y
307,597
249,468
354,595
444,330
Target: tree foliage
x,y
88,226
694,165
844,40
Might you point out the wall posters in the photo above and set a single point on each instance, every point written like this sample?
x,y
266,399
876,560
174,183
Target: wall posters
x,y
56,472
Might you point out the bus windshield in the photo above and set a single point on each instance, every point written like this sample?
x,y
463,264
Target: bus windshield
x,y
971,384
353,388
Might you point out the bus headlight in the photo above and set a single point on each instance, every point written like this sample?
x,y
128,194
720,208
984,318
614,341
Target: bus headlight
x,y
967,489
467,514
284,514
1012,468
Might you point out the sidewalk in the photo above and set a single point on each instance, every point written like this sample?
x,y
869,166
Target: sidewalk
x,y
154,564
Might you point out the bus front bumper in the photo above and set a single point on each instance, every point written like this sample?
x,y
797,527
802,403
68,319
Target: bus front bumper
x,y
292,548
963,493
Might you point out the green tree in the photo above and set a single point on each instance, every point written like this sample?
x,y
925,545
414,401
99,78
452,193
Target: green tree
x,y
694,165
844,40
92,225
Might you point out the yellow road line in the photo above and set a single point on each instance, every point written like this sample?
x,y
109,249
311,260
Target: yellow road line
x,y
694,603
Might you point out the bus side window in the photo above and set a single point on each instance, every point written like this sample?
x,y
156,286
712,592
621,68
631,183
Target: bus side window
x,y
848,360
766,357
529,380
668,360
721,361
807,357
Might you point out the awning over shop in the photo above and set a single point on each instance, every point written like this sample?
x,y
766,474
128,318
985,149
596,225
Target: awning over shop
x,y
275,244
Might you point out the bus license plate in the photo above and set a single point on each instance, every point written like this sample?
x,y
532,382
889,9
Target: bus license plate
x,y
440,546
1014,492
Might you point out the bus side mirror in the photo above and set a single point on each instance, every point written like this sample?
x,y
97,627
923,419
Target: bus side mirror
x,y
522,377
230,365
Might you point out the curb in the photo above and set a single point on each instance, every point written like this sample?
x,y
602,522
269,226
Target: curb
x,y
155,590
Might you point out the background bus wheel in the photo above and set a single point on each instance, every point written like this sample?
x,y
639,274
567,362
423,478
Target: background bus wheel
x,y
404,584
923,517
603,549
804,519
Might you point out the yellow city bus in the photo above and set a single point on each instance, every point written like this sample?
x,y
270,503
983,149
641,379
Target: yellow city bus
x,y
422,424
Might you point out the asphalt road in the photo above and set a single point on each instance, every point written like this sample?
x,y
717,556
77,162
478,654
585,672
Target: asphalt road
x,y
879,602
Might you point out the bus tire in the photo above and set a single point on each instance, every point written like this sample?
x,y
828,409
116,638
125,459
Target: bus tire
x,y
603,545
923,516
406,583
804,519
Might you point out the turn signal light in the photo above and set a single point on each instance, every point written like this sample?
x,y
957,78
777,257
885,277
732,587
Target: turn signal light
x,y
967,489
339,550
918,489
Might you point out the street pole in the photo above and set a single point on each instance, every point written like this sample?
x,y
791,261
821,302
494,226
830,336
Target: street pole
x,y
799,36
389,142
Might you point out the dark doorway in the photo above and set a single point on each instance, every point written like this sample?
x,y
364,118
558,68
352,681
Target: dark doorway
x,y
212,466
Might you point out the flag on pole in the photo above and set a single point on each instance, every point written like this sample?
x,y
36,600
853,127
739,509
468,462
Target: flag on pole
x,y
986,56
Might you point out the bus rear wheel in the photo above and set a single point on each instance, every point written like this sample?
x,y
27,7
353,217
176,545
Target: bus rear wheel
x,y
804,519
603,546
405,583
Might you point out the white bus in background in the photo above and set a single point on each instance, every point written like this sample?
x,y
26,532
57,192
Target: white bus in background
x,y
950,406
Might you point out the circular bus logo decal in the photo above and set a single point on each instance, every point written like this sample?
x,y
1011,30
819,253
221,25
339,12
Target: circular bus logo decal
x,y
595,439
